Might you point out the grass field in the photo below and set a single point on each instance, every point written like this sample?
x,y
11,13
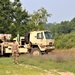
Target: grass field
x,y
54,62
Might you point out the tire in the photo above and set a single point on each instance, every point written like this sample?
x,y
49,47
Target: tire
x,y
46,52
36,52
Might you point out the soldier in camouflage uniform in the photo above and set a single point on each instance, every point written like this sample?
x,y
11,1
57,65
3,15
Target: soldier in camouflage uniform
x,y
15,51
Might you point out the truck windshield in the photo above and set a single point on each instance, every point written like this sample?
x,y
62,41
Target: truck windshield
x,y
48,35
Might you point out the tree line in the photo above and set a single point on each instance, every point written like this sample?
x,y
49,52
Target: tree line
x,y
63,33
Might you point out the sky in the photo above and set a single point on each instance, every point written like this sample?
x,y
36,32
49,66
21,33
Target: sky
x,y
61,10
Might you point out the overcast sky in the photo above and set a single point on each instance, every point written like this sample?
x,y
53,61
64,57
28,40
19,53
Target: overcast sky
x,y
61,10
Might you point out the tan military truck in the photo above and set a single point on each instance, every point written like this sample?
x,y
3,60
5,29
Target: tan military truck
x,y
35,43
38,42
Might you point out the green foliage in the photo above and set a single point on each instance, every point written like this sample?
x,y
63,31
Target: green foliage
x,y
65,40
5,16
39,18
62,28
14,19
64,34
20,18
47,26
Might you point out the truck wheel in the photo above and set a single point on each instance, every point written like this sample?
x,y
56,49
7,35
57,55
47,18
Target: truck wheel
x,y
35,52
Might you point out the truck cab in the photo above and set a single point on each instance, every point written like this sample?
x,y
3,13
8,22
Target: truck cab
x,y
39,42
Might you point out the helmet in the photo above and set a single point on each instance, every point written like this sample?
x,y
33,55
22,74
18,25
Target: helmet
x,y
14,39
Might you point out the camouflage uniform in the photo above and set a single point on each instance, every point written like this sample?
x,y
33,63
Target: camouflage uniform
x,y
15,52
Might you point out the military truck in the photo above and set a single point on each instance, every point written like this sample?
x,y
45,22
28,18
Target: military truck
x,y
38,42
6,44
4,41
34,42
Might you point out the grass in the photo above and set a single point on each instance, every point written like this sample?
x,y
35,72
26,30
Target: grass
x,y
61,61
49,64
29,65
7,68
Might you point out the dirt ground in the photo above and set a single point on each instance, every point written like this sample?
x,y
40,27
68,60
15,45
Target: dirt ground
x,y
60,73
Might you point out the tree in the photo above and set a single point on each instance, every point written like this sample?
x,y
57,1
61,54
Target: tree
x,y
39,18
5,15
72,24
62,28
20,18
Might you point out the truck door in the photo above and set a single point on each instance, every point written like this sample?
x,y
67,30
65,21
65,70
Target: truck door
x,y
40,38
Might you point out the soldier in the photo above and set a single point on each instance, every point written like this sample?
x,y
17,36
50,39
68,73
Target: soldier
x,y
15,51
